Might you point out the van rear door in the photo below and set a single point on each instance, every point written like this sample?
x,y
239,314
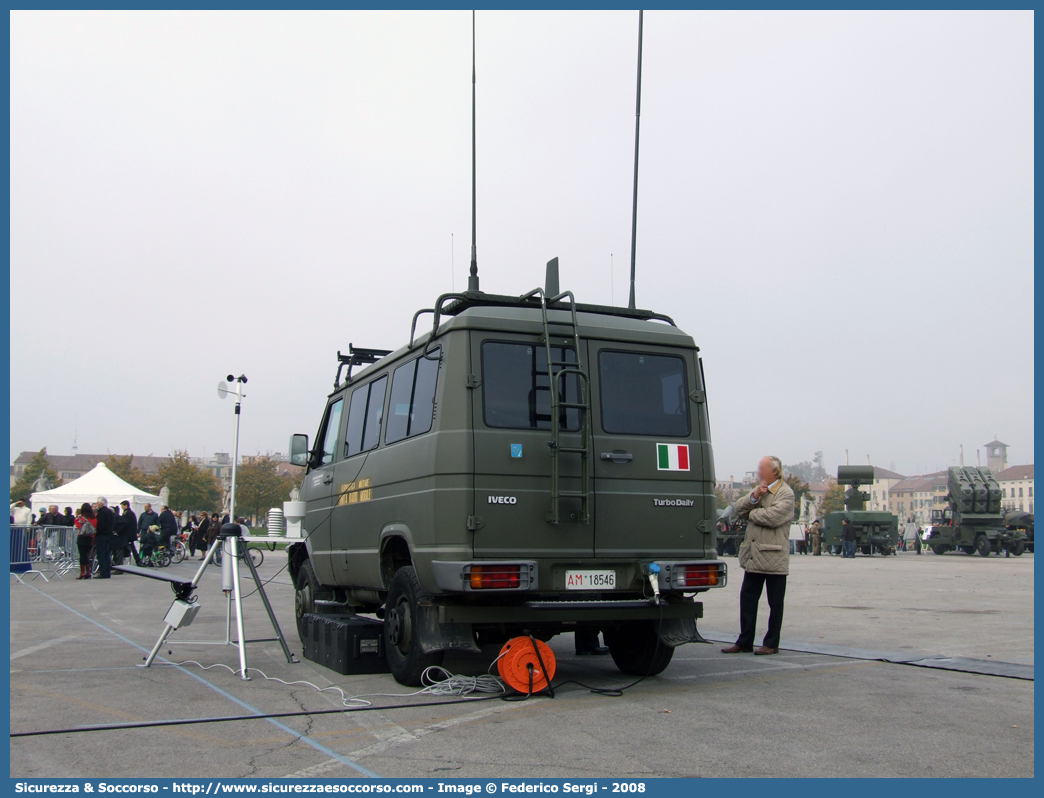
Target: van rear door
x,y
512,423
653,475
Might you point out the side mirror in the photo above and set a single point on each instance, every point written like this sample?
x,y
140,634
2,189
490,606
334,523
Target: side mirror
x,y
299,455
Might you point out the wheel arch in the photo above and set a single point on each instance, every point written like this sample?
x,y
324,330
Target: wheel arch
x,y
395,551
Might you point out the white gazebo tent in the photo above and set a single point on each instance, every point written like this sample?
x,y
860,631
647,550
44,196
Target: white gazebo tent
x,y
99,481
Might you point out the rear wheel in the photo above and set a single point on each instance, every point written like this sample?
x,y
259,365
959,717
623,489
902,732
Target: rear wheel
x,y
939,549
1017,548
636,648
982,545
968,549
865,550
179,553
406,659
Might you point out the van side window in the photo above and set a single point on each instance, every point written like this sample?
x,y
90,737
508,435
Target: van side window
x,y
374,414
643,394
364,417
516,393
412,405
331,427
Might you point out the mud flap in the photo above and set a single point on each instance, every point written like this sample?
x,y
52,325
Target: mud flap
x,y
434,636
678,631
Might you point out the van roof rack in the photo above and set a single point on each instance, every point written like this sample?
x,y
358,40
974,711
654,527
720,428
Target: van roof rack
x,y
479,299
452,304
356,357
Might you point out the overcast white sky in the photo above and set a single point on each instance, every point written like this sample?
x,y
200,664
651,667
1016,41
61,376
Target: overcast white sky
x,y
837,206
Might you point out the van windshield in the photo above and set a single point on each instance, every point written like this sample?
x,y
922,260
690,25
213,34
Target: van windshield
x,y
643,394
516,393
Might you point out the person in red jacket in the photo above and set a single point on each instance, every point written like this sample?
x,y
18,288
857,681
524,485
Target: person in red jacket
x,y
86,524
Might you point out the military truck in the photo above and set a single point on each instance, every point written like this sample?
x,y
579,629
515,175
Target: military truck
x,y
530,464
875,531
973,521
1022,521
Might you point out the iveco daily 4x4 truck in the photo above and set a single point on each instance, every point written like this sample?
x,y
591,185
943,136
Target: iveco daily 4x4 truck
x,y
529,464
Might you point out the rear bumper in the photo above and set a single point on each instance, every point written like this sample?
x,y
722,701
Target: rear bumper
x,y
568,612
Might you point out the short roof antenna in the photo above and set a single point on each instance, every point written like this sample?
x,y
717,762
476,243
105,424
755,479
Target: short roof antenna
x,y
637,122
473,281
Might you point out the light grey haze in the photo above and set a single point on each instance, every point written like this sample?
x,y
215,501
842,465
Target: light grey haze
x,y
837,206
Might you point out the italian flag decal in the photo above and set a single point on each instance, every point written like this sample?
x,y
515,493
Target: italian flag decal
x,y
672,457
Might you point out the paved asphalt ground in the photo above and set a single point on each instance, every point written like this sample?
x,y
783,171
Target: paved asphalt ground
x,y
74,647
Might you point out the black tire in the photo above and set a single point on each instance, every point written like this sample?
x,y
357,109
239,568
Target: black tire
x,y
257,556
636,648
402,650
307,590
939,548
1017,548
968,549
983,546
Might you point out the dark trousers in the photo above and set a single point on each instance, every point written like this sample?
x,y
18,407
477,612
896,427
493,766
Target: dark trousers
x,y
750,595
848,549
103,553
84,543
123,547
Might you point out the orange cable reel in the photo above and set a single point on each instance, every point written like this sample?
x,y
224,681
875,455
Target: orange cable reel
x,y
518,657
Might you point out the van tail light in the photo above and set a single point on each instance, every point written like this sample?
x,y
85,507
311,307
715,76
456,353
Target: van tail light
x,y
708,574
495,577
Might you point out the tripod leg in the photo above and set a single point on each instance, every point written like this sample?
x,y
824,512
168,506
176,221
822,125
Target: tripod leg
x,y
268,607
206,561
167,629
238,594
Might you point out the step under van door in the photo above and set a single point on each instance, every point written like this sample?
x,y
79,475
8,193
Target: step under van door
x,y
512,423
653,470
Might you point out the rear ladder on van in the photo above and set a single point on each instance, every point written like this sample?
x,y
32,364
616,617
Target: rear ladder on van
x,y
556,369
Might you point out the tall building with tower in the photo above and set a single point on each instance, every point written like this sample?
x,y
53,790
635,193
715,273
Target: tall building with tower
x,y
996,456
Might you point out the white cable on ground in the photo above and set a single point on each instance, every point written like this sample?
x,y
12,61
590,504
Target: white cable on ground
x,y
451,685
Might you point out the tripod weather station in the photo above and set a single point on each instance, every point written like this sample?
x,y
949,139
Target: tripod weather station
x,y
230,538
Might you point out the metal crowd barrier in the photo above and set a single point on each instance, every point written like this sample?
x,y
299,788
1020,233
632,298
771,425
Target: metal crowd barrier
x,y
43,551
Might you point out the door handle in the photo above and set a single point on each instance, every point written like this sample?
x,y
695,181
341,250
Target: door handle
x,y
616,456
327,478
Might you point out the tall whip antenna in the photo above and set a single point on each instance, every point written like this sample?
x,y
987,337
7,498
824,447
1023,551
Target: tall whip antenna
x,y
473,281
637,122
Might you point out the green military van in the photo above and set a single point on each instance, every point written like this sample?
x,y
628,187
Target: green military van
x,y
528,464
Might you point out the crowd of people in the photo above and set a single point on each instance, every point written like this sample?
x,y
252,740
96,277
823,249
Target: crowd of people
x,y
110,536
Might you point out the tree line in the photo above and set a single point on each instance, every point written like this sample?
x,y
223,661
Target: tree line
x,y
259,485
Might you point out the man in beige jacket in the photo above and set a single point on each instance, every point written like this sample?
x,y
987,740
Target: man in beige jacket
x,y
764,555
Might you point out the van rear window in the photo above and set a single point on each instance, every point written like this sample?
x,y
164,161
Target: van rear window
x,y
516,393
643,394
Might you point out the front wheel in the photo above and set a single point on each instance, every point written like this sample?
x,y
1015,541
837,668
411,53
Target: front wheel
x,y
406,659
307,591
968,549
1017,548
982,545
179,553
636,648
939,549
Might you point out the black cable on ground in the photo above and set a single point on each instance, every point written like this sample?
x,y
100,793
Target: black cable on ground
x,y
152,724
